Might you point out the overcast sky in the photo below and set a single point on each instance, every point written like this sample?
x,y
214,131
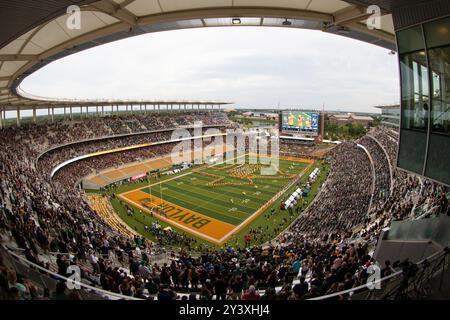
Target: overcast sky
x,y
254,67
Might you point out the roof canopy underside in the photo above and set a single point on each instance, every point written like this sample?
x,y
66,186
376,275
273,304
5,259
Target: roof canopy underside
x,y
37,43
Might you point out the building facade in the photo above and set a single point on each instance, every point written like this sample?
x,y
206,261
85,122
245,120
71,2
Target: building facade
x,y
390,116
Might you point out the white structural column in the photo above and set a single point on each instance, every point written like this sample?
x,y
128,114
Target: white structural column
x,y
18,117
1,118
71,117
53,114
34,114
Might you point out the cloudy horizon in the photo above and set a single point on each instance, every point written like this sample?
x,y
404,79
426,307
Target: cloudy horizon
x,y
255,67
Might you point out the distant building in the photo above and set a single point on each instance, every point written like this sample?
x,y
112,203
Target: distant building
x,y
390,116
339,119
364,120
263,115
343,119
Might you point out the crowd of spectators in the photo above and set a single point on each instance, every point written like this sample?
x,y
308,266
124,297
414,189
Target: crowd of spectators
x,y
382,170
409,194
299,150
40,216
72,173
44,217
44,136
49,160
52,158
342,204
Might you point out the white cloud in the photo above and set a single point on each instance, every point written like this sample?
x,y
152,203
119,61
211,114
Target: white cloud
x,y
252,66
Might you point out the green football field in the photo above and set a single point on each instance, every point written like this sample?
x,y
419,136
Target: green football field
x,y
215,201
232,199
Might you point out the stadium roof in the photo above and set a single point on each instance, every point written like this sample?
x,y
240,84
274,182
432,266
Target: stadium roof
x,y
34,33
388,106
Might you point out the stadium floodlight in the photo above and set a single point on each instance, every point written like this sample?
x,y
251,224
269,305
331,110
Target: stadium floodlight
x,y
236,21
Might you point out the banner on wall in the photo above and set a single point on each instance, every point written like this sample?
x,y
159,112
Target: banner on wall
x,y
139,176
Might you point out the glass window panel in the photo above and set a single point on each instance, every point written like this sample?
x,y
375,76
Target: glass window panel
x,y
415,90
437,33
410,40
412,150
440,66
438,158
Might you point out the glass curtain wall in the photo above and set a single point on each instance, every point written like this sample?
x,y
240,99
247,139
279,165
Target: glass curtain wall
x,y
424,54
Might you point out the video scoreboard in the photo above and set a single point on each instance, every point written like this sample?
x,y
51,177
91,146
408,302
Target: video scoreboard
x,y
300,122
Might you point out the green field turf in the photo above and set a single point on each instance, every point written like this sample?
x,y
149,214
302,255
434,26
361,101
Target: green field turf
x,y
228,203
184,193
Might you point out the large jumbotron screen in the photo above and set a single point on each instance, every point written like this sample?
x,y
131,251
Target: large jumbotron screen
x,y
300,121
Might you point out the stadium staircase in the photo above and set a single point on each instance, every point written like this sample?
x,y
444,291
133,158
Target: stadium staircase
x,y
413,239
